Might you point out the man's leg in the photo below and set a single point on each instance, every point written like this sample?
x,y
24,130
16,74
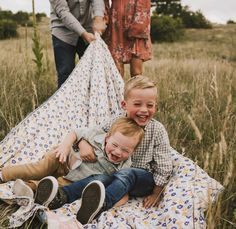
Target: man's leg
x,y
64,55
81,47
137,182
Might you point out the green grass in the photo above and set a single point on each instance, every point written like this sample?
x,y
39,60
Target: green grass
x,y
196,79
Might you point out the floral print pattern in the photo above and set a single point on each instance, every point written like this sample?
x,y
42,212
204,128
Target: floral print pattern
x,y
122,15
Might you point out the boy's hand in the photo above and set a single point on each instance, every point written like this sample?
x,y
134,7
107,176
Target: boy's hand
x,y
88,37
154,199
86,151
62,152
99,25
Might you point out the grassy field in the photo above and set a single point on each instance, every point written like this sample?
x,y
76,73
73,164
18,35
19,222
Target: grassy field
x,y
196,78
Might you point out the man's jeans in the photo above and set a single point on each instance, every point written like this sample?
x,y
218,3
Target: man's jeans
x,y
64,55
136,182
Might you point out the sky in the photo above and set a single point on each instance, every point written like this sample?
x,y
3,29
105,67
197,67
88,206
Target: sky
x,y
214,10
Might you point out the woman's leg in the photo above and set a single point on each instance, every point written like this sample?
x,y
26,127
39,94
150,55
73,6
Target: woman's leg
x,y
136,67
120,67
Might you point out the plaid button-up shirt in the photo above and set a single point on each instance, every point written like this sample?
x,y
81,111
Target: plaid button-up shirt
x,y
154,152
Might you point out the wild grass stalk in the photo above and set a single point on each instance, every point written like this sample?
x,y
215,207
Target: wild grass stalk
x,y
37,48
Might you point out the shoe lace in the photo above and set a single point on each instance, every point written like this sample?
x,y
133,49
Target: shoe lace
x,y
59,200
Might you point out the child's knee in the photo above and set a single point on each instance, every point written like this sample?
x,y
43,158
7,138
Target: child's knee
x,y
125,175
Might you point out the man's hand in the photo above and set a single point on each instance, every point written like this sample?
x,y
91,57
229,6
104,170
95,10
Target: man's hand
x,y
154,199
86,151
99,25
89,37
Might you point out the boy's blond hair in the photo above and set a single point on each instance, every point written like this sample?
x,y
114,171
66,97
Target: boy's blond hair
x,y
128,127
137,82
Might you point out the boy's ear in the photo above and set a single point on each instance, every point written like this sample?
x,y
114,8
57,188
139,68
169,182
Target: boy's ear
x,y
107,137
123,104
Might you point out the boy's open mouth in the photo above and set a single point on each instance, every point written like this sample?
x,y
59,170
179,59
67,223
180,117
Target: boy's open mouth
x,y
142,118
114,157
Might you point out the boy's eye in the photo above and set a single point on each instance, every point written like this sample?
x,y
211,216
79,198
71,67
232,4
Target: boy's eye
x,y
126,151
137,104
115,145
150,105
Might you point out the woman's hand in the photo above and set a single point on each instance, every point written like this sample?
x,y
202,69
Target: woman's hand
x,y
99,25
86,151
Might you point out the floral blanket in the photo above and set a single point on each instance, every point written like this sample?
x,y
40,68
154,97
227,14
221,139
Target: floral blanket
x,y
91,96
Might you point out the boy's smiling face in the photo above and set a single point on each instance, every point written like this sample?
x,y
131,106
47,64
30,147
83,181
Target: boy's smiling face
x,y
141,105
119,147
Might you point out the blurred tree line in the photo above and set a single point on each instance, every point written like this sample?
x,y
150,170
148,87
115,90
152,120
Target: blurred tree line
x,y
10,21
168,21
170,18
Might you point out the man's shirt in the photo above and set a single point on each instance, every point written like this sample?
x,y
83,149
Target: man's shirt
x,y
71,18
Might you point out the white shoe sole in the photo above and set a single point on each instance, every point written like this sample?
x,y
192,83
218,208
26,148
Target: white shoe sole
x,y
83,215
46,191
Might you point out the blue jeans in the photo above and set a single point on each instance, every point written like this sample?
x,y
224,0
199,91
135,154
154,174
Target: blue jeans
x,y
136,182
64,55
74,190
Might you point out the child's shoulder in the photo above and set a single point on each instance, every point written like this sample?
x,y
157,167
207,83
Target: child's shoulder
x,y
155,125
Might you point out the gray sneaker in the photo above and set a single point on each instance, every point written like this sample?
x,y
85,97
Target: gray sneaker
x,y
46,190
92,200
21,189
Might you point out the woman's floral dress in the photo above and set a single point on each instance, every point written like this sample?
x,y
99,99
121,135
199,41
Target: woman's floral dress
x,y
128,32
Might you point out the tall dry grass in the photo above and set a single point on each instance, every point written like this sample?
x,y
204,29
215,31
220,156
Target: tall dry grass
x,y
196,79
20,89
197,103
